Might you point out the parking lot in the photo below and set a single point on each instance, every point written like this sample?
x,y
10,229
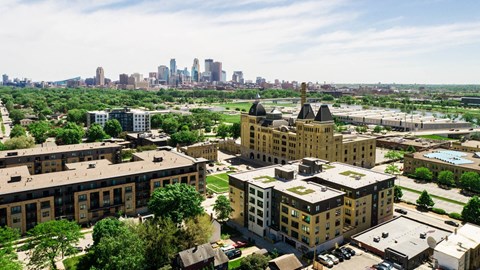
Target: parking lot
x,y
361,260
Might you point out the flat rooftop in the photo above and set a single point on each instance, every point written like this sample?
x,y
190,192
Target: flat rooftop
x,y
58,149
471,143
457,243
419,142
355,138
455,158
403,236
82,172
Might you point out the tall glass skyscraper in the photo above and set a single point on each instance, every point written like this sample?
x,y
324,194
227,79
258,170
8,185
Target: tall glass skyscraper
x,y
196,70
173,67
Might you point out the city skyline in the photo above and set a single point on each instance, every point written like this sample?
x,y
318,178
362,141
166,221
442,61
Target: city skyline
x,y
341,41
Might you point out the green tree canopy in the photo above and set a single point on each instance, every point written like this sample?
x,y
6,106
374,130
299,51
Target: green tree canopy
x,y
18,131
39,130
176,202
71,133
425,200
470,181
196,230
223,131
254,262
378,129
397,193
185,137
16,116
96,133
423,173
21,142
77,116
222,208
393,155
8,256
50,240
235,130
471,211
106,227
113,128
392,169
446,178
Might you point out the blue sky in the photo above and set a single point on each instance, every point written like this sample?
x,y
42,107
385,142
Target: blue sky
x,y
336,41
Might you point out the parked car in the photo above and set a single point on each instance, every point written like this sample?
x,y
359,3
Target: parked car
x,y
232,254
239,244
227,248
386,265
346,254
452,223
334,259
211,164
337,253
325,260
379,267
349,250
401,211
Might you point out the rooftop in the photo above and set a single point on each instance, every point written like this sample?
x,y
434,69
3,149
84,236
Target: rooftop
x,y
457,243
444,156
403,236
58,149
351,176
82,172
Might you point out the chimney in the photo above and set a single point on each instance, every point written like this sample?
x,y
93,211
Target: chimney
x,y
303,94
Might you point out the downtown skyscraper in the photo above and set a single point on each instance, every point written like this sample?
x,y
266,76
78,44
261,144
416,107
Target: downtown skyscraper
x,y
196,70
100,77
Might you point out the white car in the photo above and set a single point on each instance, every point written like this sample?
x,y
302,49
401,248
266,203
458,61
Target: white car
x,y
334,259
325,260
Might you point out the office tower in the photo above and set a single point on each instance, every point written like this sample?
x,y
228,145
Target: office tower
x,y
173,67
196,70
216,71
238,77
100,78
208,65
224,76
163,74
5,78
152,75
138,77
123,79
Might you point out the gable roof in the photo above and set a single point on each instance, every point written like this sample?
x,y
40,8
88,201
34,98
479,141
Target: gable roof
x,y
306,112
196,254
323,114
286,262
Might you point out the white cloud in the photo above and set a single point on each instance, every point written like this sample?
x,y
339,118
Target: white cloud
x,y
310,40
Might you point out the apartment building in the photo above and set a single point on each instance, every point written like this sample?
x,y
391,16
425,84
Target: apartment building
x,y
311,204
438,160
130,119
268,137
53,159
90,190
206,150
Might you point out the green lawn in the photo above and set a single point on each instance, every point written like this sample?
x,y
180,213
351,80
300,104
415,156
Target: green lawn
x,y
434,196
71,263
436,137
218,183
240,105
233,264
231,118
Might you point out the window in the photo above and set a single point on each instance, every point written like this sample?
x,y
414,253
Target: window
x,y
259,213
337,222
156,184
16,220
317,219
128,189
82,216
306,219
46,214
317,229
337,232
295,213
260,194
284,219
294,234
294,224
259,222
338,212
285,209
305,229
82,198
260,203
328,215
45,204
16,210
327,226
305,239
317,208
327,236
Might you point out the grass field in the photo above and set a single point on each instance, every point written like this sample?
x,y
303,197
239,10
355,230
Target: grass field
x,y
434,196
71,263
218,183
233,264
240,105
436,137
231,118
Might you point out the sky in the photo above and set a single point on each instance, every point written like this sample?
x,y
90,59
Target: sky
x,y
332,41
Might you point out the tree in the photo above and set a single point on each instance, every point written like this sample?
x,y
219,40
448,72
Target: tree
x,y
8,256
39,130
50,240
71,133
471,211
378,129
423,173
123,249
176,202
425,201
254,262
16,116
197,230
18,131
393,155
235,130
96,133
113,128
160,240
106,227
223,131
78,116
470,181
185,137
392,169
21,142
222,208
446,178
397,193
170,125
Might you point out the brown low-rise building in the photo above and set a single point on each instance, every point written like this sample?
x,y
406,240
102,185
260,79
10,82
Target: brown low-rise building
x,y
53,159
403,143
467,146
201,257
206,150
88,191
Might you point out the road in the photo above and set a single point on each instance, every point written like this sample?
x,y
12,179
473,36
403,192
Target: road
x,y
425,217
5,121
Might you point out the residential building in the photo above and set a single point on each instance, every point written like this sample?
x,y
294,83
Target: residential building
x,y
206,150
130,119
268,137
88,191
460,250
40,160
311,204
100,77
201,257
438,160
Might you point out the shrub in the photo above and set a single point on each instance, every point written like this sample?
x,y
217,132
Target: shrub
x,y
439,211
455,216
